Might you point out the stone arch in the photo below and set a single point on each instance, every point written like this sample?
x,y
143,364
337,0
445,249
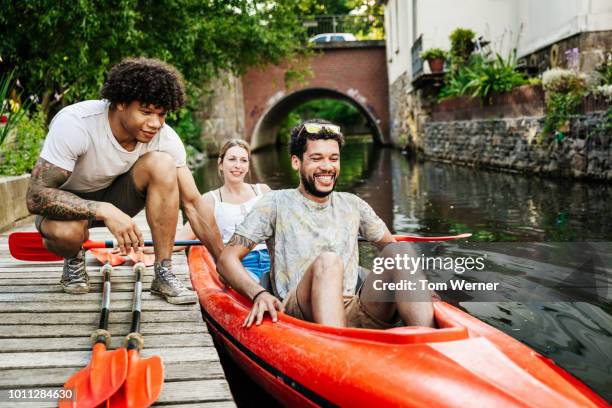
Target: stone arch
x,y
268,124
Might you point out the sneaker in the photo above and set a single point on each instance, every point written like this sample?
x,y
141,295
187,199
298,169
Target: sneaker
x,y
168,286
74,278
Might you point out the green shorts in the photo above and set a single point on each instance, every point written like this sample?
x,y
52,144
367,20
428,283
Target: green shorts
x,y
122,193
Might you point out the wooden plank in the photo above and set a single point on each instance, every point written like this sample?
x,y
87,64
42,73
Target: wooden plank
x,y
93,318
116,305
43,271
55,377
95,297
56,288
77,359
194,391
212,393
84,343
80,330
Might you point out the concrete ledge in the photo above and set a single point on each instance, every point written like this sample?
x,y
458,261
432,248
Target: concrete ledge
x,y
13,200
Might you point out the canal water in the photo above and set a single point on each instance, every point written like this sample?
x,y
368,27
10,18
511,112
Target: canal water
x,y
432,198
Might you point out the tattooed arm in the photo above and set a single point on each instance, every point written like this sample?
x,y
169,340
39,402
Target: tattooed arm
x,y
232,270
45,198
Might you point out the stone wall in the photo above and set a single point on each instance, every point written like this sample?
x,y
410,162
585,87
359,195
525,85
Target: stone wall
x,y
12,200
222,113
514,144
407,114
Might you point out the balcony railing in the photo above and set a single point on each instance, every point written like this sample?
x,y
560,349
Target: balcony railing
x,y
369,27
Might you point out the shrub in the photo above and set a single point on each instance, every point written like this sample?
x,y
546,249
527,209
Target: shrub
x,y
482,78
462,45
605,70
11,111
564,90
20,150
433,53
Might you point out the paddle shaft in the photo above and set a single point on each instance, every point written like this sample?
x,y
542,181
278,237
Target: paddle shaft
x,y
106,294
132,343
190,242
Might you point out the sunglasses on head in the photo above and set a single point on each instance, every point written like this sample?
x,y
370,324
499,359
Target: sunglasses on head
x,y
315,128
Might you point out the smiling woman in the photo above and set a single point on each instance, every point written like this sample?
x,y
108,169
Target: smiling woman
x,y
233,200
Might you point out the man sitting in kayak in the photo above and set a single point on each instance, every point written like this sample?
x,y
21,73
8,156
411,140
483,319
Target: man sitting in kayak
x,y
103,161
311,233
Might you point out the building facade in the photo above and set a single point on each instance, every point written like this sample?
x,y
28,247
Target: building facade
x,y
541,31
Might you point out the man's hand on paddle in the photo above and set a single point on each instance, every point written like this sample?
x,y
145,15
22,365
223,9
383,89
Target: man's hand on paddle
x,y
266,302
123,228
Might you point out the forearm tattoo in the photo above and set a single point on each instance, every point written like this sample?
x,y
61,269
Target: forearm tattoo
x,y
237,240
45,198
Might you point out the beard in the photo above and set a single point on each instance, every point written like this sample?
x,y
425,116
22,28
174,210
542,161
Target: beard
x,y
311,188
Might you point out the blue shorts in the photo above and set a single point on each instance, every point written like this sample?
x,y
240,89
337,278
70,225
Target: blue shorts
x,y
257,263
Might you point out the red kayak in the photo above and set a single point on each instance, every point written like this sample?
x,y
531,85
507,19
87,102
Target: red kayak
x,y
463,363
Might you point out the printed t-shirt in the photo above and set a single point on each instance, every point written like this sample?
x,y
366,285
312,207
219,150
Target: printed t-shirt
x,y
297,230
80,140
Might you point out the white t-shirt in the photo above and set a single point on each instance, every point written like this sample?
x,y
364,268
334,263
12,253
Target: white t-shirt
x,y
80,140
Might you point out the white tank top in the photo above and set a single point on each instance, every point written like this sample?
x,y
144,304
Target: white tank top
x,y
228,216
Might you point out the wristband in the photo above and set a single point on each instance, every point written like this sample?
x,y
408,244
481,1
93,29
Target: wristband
x,y
259,293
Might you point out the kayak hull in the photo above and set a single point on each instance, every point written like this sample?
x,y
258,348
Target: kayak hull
x,y
465,362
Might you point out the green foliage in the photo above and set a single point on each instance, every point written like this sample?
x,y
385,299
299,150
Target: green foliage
x,y
284,132
185,123
330,109
462,45
564,90
433,53
482,78
21,149
62,50
605,70
11,110
335,111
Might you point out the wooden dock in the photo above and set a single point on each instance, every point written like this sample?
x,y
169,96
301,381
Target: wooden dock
x,y
44,332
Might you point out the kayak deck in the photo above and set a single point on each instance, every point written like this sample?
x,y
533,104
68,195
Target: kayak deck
x,y
44,333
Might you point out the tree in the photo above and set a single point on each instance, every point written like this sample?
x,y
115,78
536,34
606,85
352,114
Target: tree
x,y
61,51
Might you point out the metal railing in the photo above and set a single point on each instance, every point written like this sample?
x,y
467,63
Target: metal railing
x,y
363,26
417,61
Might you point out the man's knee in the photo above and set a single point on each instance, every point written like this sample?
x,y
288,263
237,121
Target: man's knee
x,y
156,167
66,232
328,265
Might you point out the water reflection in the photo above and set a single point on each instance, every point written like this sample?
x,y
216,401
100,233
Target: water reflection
x,y
432,198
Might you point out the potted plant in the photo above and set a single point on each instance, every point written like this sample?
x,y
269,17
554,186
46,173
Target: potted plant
x,y
435,58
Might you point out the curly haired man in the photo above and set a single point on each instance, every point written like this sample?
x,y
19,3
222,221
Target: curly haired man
x,y
103,161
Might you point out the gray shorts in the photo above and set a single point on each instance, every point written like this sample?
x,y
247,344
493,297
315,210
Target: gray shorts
x,y
122,193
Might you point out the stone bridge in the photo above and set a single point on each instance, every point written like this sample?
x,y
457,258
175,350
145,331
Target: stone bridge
x,y
254,106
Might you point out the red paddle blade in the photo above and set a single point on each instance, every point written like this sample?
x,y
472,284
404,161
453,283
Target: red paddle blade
x,y
143,383
147,259
103,257
28,246
95,383
410,238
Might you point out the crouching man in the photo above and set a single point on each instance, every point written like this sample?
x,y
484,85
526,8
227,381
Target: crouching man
x,y
105,160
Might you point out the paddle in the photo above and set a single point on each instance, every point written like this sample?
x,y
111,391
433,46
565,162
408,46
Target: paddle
x,y
28,246
145,377
106,370
104,257
147,259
